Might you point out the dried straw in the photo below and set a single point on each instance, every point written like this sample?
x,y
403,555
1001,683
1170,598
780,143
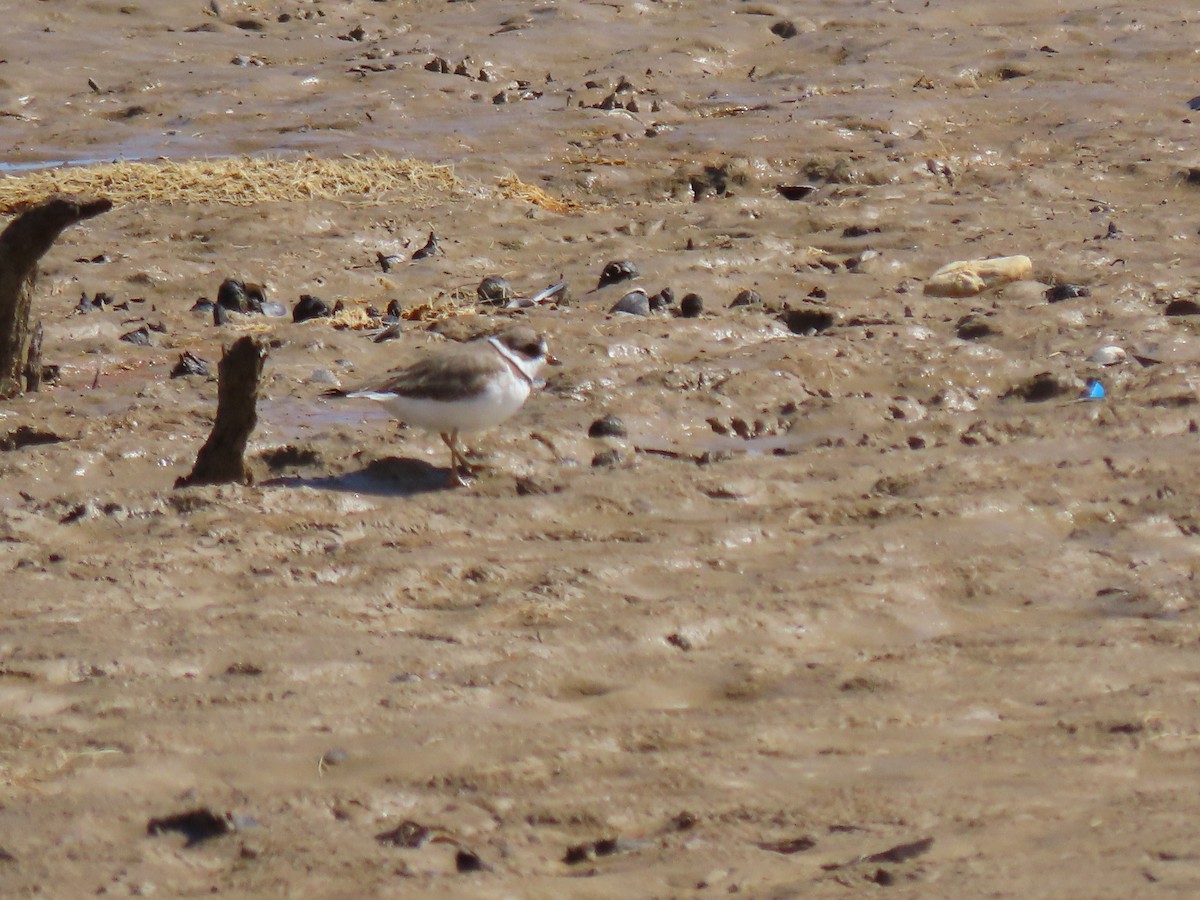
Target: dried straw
x,y
241,181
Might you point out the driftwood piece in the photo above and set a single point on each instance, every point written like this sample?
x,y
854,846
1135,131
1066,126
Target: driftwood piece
x,y
22,244
221,459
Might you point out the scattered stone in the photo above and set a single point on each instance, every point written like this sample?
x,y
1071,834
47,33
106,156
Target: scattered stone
x,y
607,426
430,248
1041,387
1182,307
966,278
678,641
139,337
408,834
197,825
533,487
190,364
808,320
854,231
747,297
788,847
243,668
589,851
607,459
220,315
495,291
310,307
466,861
685,821
795,191
241,296
902,852
635,303
784,29
664,299
691,307
1059,292
973,326
1108,356
393,309
203,305
617,271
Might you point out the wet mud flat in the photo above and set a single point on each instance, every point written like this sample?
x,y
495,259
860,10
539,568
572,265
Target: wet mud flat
x,y
861,596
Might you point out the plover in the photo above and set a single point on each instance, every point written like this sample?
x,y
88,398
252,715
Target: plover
x,y
463,388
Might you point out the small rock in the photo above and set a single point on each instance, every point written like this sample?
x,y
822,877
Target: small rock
x,y
664,299
1041,387
691,307
607,426
196,825
190,364
310,307
747,297
1182,307
635,303
972,327
1108,356
139,337
795,191
617,271
466,861
495,291
606,459
334,757
241,296
203,305
808,320
323,376
1059,292
784,29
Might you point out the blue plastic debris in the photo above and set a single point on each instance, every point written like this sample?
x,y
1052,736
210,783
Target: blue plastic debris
x,y
1094,391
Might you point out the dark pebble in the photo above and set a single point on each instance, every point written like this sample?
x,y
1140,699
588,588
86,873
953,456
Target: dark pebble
x,y
310,307
784,29
788,847
635,303
393,308
795,191
197,825
606,459
139,336
1059,292
1194,103
972,327
691,307
494,291
808,320
607,426
617,271
203,305
466,861
747,298
241,296
1182,308
854,231
1039,388
190,364
220,315
664,299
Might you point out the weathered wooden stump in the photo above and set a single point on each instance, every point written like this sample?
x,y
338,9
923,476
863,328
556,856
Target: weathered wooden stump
x,y
221,459
22,244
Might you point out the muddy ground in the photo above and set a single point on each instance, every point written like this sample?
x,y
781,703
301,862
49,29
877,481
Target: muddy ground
x,y
924,602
